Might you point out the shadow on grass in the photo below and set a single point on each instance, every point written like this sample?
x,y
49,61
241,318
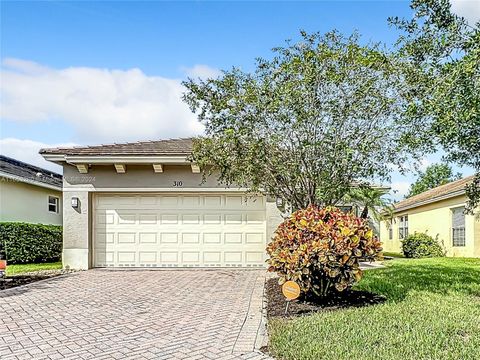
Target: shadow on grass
x,y
441,277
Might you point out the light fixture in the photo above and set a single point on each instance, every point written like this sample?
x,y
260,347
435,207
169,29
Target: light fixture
x,y
75,202
279,202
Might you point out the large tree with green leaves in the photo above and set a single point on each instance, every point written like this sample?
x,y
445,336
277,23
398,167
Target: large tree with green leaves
x,y
433,176
443,75
322,115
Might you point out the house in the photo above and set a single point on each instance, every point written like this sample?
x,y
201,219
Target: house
x,y
144,204
29,193
438,212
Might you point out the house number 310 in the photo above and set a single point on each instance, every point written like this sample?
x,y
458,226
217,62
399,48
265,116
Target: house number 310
x,y
177,183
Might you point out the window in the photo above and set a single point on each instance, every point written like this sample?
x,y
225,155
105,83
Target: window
x,y
346,209
390,230
458,226
403,227
53,202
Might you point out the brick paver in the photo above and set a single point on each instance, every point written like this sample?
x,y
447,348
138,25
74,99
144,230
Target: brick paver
x,y
135,314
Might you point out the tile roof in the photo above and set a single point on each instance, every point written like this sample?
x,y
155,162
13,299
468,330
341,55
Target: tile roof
x,y
153,148
29,173
451,189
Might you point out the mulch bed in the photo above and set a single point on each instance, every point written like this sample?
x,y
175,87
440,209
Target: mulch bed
x,y
276,302
27,278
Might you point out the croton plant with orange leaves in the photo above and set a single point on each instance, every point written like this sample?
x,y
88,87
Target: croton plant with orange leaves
x,y
320,249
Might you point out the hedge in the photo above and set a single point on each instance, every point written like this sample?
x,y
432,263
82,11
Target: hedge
x,y
30,243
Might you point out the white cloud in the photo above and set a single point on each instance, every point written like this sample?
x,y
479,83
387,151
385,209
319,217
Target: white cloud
x,y
101,105
469,9
27,151
201,71
400,188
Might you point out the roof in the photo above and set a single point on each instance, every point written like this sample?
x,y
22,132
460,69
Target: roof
x,y
18,170
452,189
168,147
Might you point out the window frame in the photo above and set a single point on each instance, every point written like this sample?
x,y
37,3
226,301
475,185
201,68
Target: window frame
x,y
458,232
402,227
390,230
56,203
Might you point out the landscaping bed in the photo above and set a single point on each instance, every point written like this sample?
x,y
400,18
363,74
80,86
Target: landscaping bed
x,y
431,311
276,303
24,274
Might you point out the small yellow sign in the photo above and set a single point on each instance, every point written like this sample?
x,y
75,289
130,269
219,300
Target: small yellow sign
x,y
291,290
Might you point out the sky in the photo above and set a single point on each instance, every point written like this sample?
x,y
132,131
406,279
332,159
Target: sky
x,y
78,73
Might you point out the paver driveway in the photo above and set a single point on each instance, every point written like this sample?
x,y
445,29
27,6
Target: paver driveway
x,y
135,314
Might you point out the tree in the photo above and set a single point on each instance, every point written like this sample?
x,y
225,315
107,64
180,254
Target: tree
x,y
371,201
321,115
435,175
443,51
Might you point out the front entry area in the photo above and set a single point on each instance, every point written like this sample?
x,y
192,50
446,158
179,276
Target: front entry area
x,y
178,230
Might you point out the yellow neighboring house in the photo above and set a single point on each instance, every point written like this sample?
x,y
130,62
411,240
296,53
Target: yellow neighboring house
x,y
439,211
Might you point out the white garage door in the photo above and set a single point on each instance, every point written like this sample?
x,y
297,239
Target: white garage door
x,y
178,230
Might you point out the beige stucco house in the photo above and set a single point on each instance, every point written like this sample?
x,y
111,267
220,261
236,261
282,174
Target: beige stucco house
x,y
438,212
29,193
144,204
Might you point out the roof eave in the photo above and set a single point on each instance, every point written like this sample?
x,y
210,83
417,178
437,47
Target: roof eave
x,y
430,201
117,159
30,181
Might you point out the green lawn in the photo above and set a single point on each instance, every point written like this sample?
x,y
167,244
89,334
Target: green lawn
x,y
393,254
23,268
432,312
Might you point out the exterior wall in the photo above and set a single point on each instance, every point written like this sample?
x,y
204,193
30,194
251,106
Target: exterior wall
x,y
274,217
476,225
22,202
77,238
436,220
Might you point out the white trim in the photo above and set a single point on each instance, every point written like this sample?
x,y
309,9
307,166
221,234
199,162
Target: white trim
x,y
29,181
56,204
90,188
119,159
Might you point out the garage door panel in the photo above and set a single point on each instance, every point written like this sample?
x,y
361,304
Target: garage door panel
x,y
212,238
147,238
169,238
213,202
190,238
177,230
169,218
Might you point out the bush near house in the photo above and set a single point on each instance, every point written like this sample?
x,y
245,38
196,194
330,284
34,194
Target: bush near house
x,y
320,249
31,243
420,245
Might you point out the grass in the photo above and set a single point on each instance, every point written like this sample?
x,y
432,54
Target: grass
x,y
432,312
393,254
24,268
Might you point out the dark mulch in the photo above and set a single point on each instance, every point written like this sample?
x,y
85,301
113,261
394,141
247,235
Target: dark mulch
x,y
27,278
276,302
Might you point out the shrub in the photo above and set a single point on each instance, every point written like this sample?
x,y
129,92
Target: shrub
x,y
419,245
31,243
320,249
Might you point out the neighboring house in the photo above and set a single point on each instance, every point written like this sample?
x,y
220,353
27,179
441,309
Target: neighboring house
x,y
29,193
438,212
144,204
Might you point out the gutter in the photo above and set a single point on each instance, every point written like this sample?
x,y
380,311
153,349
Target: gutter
x,y
112,159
